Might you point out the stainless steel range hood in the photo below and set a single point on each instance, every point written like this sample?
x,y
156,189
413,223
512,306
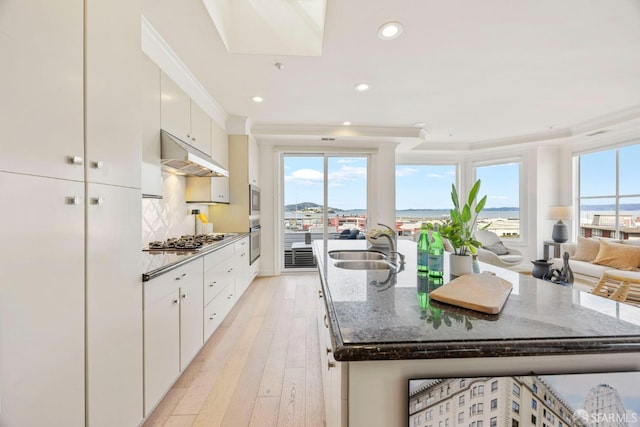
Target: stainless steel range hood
x,y
183,159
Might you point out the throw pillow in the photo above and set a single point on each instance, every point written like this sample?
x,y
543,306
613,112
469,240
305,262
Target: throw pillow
x,y
586,249
616,255
497,248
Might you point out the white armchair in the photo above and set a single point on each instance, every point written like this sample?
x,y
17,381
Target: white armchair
x,y
494,252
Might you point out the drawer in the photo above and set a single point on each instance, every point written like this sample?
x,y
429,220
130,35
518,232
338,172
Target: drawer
x,y
219,277
218,256
242,245
217,309
156,289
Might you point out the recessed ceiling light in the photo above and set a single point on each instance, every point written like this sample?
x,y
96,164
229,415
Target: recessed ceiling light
x,y
389,30
257,99
346,123
361,87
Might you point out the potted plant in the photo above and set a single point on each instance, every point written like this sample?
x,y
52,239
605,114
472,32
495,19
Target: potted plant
x,y
459,229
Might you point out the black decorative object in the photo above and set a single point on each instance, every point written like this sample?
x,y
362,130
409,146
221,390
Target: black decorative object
x,y
540,268
566,272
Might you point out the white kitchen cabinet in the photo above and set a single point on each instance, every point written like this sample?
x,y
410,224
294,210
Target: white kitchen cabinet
x,y
334,373
42,294
113,302
191,327
172,305
200,129
219,145
41,82
182,117
175,109
112,101
199,189
218,308
150,118
243,273
253,155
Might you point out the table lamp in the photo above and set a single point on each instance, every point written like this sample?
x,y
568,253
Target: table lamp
x,y
560,232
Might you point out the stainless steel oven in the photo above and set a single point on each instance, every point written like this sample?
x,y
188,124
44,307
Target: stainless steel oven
x,y
254,200
254,240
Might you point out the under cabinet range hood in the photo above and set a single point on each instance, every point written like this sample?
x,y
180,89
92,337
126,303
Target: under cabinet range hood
x,y
183,159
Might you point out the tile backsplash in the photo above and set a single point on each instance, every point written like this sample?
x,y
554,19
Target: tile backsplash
x,y
171,215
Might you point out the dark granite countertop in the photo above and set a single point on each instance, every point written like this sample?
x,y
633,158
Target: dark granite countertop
x,y
376,316
156,263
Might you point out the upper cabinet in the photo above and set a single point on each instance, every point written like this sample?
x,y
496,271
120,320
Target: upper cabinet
x,y
220,145
41,82
182,117
253,160
112,104
150,117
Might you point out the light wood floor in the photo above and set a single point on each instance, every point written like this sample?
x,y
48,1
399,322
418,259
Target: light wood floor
x,y
261,367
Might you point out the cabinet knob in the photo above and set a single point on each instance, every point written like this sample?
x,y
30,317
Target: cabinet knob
x,y
212,284
73,200
319,294
182,276
331,364
229,296
212,316
175,301
98,164
97,201
328,350
326,321
76,160
183,296
230,270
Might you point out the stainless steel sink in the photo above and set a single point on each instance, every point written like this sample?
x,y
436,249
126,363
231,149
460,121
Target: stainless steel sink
x,y
364,265
357,255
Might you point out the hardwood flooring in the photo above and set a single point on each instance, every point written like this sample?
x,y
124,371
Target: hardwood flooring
x,y
261,367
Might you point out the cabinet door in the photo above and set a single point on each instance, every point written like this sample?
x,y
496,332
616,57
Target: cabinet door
x,y
41,82
191,304
175,115
150,118
112,101
253,160
161,338
219,144
200,129
41,302
113,301
220,190
243,274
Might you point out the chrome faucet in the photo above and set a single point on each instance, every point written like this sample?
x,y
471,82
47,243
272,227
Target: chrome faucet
x,y
393,240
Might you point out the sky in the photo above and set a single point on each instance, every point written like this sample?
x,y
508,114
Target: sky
x,y
429,186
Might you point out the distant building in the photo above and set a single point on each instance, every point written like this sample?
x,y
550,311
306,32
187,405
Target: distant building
x,y
604,407
489,402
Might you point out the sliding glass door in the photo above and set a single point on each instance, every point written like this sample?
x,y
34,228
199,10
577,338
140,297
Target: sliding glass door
x,y
311,182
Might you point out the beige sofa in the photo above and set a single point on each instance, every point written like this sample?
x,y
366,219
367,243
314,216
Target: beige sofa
x,y
588,259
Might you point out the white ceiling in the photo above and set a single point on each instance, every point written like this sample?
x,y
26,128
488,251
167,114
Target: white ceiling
x,y
472,71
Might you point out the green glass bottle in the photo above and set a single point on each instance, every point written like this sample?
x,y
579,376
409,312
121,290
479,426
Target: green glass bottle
x,y
436,253
423,294
423,249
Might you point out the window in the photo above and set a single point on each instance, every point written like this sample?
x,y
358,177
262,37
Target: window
x,y
533,419
447,406
493,422
423,192
480,390
515,407
441,409
609,193
534,404
417,420
516,390
534,388
460,417
514,423
501,184
461,400
494,386
462,383
494,404
479,424
480,408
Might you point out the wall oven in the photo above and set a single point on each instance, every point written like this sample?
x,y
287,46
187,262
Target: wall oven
x,y
254,240
254,200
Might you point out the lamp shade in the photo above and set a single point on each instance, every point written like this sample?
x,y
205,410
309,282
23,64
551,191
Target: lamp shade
x,y
560,212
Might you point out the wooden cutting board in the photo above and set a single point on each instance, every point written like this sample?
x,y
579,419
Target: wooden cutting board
x,y
480,292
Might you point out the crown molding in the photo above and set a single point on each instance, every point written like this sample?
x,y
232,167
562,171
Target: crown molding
x,y
156,48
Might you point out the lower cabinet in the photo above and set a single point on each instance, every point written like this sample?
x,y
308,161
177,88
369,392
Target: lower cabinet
x,y
334,373
172,328
218,308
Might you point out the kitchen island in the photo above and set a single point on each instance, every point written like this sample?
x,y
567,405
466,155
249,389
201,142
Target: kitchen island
x,y
375,336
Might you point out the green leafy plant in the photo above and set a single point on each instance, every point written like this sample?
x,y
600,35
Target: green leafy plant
x,y
459,228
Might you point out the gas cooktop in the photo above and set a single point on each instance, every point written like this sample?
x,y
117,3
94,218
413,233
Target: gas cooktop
x,y
187,242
